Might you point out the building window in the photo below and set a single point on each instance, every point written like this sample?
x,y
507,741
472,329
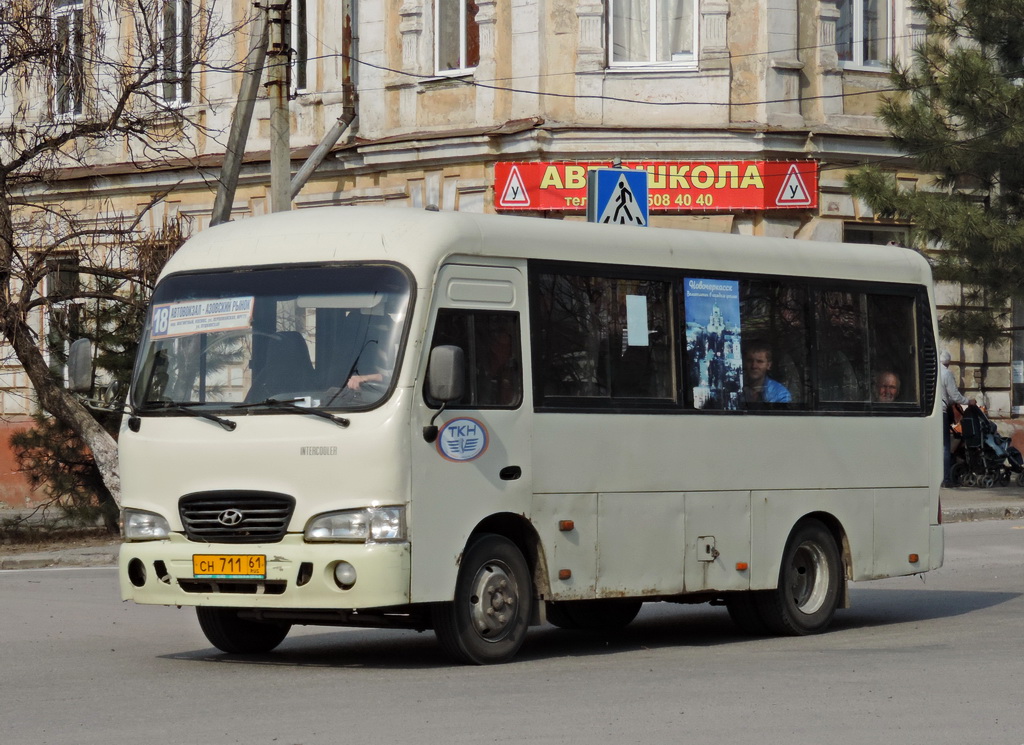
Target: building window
x,y
456,36
300,47
62,285
62,278
1017,359
69,31
863,37
176,51
653,32
879,235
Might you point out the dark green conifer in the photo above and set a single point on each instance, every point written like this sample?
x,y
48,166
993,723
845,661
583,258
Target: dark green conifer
x,y
959,113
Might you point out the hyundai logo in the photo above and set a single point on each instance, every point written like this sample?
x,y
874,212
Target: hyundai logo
x,y
230,518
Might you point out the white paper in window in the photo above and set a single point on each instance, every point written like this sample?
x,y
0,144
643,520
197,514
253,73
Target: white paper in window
x,y
637,333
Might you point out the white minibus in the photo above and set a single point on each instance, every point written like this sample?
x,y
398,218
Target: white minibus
x,y
355,416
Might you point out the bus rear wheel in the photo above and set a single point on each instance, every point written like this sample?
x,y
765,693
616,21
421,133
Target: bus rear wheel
x,y
234,635
810,582
488,619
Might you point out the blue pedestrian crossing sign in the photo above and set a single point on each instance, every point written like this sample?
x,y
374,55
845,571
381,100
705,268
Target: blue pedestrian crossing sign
x,y
617,196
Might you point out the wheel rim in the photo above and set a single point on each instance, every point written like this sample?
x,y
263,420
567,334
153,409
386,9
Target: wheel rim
x,y
494,601
809,578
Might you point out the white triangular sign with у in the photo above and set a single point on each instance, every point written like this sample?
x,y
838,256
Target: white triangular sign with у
x,y
621,208
514,194
793,191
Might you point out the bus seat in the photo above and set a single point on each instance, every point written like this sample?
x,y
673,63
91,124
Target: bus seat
x,y
286,368
839,379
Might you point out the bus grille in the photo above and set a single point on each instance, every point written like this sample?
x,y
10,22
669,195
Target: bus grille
x,y
236,516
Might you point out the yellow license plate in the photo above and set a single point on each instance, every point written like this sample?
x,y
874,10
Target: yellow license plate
x,y
229,566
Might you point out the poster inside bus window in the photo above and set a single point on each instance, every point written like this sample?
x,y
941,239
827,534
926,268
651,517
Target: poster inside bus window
x,y
713,342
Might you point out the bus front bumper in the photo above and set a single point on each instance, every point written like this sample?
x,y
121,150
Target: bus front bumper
x,y
287,574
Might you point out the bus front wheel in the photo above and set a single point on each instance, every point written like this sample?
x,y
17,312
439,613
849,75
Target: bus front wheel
x,y
234,635
487,621
810,582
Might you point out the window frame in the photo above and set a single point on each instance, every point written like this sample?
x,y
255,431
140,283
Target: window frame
x,y
678,62
472,351
176,81
62,287
611,391
874,234
858,10
468,43
69,64
924,346
299,44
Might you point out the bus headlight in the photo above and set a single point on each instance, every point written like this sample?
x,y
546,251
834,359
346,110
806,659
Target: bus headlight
x,y
369,525
137,525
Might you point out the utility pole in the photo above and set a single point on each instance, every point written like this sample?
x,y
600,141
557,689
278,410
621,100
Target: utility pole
x,y
279,27
240,121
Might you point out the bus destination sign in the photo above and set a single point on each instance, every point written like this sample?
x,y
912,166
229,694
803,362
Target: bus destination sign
x,y
673,186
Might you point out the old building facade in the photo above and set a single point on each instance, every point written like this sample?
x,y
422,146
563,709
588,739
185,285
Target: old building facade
x,y
442,101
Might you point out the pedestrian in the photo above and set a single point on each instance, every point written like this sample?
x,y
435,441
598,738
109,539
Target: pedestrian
x,y
950,395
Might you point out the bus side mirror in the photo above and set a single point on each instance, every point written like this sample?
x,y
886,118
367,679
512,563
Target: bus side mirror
x,y
80,366
446,379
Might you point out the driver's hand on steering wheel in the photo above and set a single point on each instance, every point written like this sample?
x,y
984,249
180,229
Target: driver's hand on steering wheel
x,y
356,381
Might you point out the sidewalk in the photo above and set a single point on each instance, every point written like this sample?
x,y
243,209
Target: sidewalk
x,y
964,504
968,503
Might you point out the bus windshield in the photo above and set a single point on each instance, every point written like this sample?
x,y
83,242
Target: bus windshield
x,y
273,339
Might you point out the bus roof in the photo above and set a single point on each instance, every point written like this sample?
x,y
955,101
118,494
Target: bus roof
x,y
422,239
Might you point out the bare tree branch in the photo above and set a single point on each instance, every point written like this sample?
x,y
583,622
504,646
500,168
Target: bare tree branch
x,y
82,84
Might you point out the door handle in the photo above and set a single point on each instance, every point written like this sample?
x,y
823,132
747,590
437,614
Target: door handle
x,y
510,473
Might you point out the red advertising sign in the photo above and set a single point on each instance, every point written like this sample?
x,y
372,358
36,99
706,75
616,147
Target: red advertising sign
x,y
673,186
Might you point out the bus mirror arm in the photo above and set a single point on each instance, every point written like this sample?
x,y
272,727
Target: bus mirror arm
x,y
430,431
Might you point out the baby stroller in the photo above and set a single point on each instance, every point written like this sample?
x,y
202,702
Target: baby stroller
x,y
984,458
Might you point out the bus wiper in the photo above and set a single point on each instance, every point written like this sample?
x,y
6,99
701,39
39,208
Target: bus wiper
x,y
291,405
185,408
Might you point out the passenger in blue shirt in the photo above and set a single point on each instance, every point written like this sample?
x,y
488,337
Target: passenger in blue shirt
x,y
757,386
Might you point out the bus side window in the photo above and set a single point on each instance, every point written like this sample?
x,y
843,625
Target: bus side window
x,y
603,340
775,313
891,324
842,347
490,341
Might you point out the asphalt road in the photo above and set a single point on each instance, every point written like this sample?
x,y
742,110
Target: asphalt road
x,y
930,660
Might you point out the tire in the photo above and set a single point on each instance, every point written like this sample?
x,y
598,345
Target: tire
x,y
234,635
958,473
810,581
593,615
487,621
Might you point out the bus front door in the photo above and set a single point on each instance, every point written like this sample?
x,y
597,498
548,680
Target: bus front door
x,y
479,464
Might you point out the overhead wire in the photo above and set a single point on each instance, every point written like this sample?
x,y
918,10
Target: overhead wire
x,y
493,84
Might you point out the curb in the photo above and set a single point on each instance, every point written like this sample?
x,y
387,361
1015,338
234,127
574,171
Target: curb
x,y
973,514
57,560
